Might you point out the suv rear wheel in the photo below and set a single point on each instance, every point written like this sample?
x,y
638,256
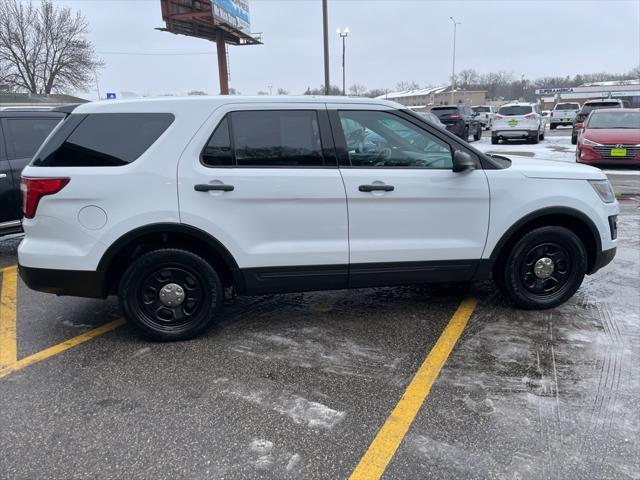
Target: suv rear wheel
x,y
171,294
543,269
478,135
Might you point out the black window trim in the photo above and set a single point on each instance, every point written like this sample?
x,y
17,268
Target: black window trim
x,y
327,143
443,135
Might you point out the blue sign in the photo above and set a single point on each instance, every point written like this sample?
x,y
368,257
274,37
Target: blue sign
x,y
111,96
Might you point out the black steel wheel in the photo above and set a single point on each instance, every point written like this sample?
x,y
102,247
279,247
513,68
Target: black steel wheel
x,y
544,268
170,294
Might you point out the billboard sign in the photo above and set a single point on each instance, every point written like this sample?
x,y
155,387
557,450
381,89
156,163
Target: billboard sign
x,y
232,12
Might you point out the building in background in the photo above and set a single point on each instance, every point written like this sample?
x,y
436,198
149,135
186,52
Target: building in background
x,y
425,98
9,99
626,90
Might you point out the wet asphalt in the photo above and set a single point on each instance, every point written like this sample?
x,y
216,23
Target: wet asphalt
x,y
296,386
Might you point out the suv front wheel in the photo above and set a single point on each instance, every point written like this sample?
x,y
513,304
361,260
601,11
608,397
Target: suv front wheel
x,y
543,269
170,294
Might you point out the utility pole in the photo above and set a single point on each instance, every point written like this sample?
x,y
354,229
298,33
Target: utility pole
x,y
453,68
325,31
223,70
343,34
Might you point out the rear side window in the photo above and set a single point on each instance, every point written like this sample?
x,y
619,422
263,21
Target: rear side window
x,y
276,138
217,152
102,139
515,110
25,135
441,112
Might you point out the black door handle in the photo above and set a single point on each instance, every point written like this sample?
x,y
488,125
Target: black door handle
x,y
373,188
205,187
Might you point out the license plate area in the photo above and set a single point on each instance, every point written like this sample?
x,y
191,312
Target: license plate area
x,y
618,152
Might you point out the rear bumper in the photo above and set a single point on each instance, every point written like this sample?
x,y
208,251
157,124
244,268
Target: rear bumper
x,y
514,133
74,283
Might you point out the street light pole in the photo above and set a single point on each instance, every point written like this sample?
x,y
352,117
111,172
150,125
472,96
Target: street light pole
x,y
343,34
453,68
325,31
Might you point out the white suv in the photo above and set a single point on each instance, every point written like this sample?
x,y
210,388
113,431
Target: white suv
x,y
518,121
169,202
486,113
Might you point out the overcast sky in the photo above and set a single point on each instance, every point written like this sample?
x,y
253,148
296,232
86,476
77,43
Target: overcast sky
x,y
390,41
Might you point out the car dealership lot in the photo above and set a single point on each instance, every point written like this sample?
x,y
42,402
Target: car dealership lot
x,y
299,385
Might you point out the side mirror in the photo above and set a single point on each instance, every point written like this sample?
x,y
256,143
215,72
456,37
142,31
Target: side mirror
x,y
579,125
463,162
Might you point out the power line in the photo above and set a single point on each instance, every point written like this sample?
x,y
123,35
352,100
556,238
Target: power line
x,y
150,54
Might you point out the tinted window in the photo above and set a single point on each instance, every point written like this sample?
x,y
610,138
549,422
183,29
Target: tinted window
x,y
25,135
481,109
441,112
287,138
383,140
102,140
587,107
218,150
567,106
515,110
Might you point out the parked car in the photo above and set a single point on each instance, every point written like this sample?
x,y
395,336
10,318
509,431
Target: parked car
x,y
486,113
432,119
22,130
168,202
586,109
563,114
459,120
518,121
610,136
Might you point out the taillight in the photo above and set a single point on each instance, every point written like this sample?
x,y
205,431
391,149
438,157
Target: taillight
x,y
499,117
531,116
455,116
33,189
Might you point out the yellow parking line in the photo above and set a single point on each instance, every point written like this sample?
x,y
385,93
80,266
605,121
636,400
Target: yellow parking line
x,y
384,445
61,347
8,343
10,267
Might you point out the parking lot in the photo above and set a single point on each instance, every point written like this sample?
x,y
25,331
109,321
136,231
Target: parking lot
x,y
405,382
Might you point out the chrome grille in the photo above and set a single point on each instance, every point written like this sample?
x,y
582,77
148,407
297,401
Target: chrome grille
x,y
605,151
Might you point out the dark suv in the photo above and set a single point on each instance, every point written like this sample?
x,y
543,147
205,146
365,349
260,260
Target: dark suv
x,y
460,120
21,133
586,109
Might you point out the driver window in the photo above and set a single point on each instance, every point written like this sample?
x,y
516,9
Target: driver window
x,y
383,140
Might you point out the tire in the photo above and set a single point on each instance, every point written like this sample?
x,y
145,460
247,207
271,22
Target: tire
x,y
517,277
534,140
141,286
494,141
574,139
541,136
478,135
465,134
553,126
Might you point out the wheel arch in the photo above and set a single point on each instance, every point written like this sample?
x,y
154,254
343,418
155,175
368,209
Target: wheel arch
x,y
570,218
168,235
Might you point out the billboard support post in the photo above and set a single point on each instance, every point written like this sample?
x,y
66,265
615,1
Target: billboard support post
x,y
223,70
325,31
220,21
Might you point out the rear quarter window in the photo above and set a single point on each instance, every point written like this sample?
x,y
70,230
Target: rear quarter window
x,y
102,139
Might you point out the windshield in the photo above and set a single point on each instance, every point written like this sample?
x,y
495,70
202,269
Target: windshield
x,y
481,109
567,106
615,120
515,110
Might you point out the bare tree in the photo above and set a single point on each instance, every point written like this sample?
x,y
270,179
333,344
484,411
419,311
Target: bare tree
x,y
406,86
43,49
197,93
357,89
283,91
467,77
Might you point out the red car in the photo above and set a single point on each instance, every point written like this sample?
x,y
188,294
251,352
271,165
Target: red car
x,y
610,136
